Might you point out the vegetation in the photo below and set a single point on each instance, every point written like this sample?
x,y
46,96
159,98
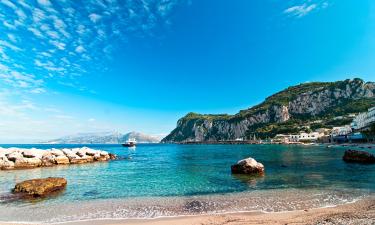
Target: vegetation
x,y
338,114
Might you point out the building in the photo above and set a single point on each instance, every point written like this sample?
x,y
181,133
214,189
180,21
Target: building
x,y
341,131
340,134
364,120
307,137
302,137
282,138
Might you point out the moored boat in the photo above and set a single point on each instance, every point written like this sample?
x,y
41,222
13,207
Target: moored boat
x,y
130,143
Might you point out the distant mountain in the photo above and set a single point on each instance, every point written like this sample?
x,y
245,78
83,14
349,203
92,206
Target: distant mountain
x,y
298,108
105,138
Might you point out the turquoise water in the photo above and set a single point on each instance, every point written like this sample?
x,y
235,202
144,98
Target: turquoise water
x,y
167,180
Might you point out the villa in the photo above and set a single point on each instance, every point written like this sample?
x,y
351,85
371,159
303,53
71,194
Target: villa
x,y
364,120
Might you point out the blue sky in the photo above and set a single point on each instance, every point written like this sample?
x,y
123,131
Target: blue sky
x,y
109,65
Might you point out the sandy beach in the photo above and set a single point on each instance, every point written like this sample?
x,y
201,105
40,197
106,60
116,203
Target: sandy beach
x,y
361,212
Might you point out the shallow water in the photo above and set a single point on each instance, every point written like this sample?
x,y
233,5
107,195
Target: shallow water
x,y
168,180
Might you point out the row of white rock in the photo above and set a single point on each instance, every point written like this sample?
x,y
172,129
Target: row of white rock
x,y
18,158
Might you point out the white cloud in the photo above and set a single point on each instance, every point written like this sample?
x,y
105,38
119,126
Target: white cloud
x,y
36,32
38,90
300,10
12,38
9,45
94,17
44,2
80,49
9,4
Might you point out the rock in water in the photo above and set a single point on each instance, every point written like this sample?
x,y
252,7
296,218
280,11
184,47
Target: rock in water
x,y
40,187
112,156
358,157
20,158
248,166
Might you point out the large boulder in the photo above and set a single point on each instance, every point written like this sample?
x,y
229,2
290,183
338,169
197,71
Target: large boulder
x,y
27,163
61,160
5,164
358,157
248,166
48,159
57,152
40,187
13,156
33,153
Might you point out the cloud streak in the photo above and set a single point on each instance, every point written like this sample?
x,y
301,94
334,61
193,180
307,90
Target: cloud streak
x,y
47,44
305,8
66,39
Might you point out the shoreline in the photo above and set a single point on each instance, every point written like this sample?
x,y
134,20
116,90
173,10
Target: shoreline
x,y
361,211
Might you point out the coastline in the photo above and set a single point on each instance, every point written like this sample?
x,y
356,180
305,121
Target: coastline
x,y
359,212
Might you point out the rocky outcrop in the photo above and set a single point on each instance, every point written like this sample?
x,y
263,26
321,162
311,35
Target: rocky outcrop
x,y
40,187
358,157
19,158
248,166
309,100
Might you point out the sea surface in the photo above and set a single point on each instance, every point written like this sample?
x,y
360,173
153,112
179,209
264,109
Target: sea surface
x,y
157,180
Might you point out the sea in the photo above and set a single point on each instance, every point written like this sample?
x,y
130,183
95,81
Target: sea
x,y
167,180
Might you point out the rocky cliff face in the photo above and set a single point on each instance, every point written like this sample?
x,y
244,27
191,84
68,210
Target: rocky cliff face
x,y
310,100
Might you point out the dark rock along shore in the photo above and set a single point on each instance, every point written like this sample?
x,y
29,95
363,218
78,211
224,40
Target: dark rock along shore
x,y
358,157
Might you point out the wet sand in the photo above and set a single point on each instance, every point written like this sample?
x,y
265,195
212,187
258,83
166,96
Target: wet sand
x,y
361,212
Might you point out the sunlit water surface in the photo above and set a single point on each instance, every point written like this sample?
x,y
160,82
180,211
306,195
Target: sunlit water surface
x,y
157,180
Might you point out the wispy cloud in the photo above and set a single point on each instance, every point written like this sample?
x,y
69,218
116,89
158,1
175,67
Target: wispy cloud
x,y
305,8
80,34
44,44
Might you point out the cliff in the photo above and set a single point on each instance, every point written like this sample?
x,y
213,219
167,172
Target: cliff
x,y
301,107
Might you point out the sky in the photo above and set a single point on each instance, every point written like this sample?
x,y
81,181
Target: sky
x,y
70,67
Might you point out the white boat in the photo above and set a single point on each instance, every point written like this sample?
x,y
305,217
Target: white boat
x,y
131,142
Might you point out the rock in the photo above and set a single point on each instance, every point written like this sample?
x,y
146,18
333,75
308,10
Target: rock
x,y
14,156
247,166
78,160
112,156
40,187
104,153
27,163
48,160
91,152
81,152
61,160
19,158
358,156
5,164
57,152
33,153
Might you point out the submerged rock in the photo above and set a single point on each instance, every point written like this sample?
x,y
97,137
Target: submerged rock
x,y
358,157
247,166
40,187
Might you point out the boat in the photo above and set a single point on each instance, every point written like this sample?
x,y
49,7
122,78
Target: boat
x,y
131,142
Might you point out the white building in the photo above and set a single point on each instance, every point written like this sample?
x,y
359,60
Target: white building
x,y
302,137
363,120
341,131
306,137
283,138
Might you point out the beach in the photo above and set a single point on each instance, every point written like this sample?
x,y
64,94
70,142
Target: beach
x,y
360,212
193,184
